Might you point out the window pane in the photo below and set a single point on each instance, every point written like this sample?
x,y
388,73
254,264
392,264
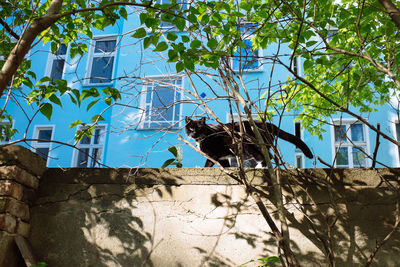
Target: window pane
x,y
162,104
102,69
98,136
398,131
246,58
342,157
62,50
104,46
340,133
83,158
3,129
57,69
398,136
248,28
96,157
85,140
149,91
43,152
44,135
357,134
299,162
359,159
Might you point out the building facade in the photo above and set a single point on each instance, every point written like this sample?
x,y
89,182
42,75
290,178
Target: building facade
x,y
148,119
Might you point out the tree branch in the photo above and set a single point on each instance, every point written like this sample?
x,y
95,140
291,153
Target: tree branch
x,y
392,10
8,29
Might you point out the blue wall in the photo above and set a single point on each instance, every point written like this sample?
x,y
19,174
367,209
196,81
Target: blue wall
x,y
127,146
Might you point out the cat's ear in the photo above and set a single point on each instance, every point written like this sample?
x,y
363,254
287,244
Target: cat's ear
x,y
203,120
187,119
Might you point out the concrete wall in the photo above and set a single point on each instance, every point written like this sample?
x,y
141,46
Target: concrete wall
x,y
202,217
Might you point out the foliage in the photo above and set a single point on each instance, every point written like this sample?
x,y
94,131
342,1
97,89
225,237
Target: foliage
x,y
40,264
347,64
264,261
176,160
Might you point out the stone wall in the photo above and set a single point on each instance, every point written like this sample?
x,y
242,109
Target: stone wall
x,y
202,217
20,171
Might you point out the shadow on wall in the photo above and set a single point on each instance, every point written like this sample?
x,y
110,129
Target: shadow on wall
x,y
200,217
81,219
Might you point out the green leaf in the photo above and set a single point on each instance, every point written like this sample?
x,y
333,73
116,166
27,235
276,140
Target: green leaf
x,y
172,36
162,46
195,44
43,80
173,150
212,44
308,64
167,163
46,109
172,56
75,123
179,66
189,64
147,42
92,103
185,39
140,33
180,23
123,13
53,98
96,118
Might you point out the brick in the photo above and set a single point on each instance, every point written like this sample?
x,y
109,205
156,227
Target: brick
x,y
15,207
24,158
19,175
8,223
12,189
23,228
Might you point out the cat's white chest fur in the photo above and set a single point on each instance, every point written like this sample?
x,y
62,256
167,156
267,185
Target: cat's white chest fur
x,y
198,145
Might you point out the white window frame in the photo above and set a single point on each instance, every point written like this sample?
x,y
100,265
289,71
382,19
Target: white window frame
x,y
90,146
296,64
92,55
247,36
145,123
36,144
236,117
50,61
347,143
397,137
4,123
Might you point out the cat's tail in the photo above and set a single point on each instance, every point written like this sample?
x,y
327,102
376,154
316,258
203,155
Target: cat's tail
x,y
292,139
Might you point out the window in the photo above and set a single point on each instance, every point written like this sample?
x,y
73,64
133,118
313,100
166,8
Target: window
x,y
299,156
165,18
299,160
101,60
398,137
161,103
56,62
243,116
350,143
5,127
42,146
246,58
90,153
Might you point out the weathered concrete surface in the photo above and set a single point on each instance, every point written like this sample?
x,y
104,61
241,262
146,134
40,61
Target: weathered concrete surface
x,y
202,217
22,157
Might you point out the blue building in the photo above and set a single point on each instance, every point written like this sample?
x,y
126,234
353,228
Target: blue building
x,y
138,130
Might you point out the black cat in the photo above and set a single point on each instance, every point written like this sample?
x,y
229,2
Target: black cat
x,y
215,142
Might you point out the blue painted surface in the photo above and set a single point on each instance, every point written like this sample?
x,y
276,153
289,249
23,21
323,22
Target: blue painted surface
x,y
128,146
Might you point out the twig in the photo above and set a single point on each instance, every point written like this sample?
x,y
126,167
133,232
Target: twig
x,y
377,143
